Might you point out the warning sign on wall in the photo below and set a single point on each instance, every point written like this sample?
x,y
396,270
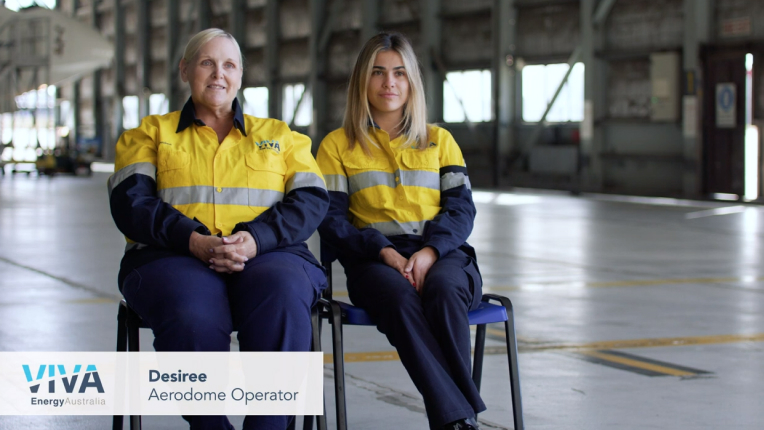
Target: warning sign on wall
x,y
725,105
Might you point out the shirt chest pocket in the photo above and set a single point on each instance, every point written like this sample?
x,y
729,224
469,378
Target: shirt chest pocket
x,y
265,178
355,165
416,159
173,167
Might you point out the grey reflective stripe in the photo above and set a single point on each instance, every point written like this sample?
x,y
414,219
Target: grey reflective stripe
x,y
337,183
410,178
226,196
453,180
304,179
134,245
147,169
420,178
187,195
370,179
264,198
392,228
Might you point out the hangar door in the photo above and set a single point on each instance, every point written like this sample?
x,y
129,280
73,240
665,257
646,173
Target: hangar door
x,y
724,121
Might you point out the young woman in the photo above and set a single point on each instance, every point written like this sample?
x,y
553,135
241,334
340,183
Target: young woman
x,y
399,216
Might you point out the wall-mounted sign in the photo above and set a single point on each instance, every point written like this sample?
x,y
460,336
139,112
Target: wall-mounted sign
x,y
735,27
725,105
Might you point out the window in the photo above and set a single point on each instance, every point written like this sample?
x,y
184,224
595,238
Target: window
x,y
158,104
467,91
539,85
292,94
256,101
15,5
130,117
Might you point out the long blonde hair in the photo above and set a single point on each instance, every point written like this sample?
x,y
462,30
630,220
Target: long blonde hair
x,y
357,111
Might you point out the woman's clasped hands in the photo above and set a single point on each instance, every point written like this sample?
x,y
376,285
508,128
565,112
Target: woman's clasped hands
x,y
224,254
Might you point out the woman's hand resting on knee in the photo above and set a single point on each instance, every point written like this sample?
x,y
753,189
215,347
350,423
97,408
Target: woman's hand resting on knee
x,y
415,268
392,258
418,266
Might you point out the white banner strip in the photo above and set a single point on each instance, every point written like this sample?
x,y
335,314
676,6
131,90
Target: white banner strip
x,y
161,383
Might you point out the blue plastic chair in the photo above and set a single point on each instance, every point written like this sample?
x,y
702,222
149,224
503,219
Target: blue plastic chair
x,y
341,313
128,339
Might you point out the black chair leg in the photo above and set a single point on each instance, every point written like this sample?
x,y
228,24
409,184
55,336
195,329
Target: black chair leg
x,y
316,346
477,365
134,345
514,371
118,420
339,366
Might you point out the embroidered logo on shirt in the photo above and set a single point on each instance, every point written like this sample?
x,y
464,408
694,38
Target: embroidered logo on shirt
x,y
269,144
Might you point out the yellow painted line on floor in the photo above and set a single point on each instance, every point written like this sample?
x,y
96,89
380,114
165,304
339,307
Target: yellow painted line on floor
x,y
356,357
534,346
645,343
636,363
629,283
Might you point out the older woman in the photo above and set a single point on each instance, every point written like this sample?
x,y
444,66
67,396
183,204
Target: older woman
x,y
216,206
401,211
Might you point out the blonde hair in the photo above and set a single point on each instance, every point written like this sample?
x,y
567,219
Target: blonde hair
x,y
199,39
357,111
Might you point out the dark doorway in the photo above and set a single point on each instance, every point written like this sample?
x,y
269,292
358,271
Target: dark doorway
x,y
724,120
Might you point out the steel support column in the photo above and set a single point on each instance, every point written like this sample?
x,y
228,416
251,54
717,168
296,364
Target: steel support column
x,y
504,81
319,39
594,98
119,72
431,51
143,58
203,15
236,24
100,127
369,19
76,90
272,59
698,29
173,28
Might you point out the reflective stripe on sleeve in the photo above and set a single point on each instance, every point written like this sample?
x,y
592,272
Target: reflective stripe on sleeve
x,y
337,183
392,228
134,245
226,196
303,180
453,180
146,169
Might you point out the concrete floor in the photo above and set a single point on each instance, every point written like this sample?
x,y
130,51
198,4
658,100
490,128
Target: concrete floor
x,y
631,313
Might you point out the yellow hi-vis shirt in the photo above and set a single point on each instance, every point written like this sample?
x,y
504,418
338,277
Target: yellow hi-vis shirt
x,y
398,189
218,184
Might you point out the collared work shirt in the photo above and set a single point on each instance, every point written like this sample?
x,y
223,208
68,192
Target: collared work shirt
x,y
398,191
172,178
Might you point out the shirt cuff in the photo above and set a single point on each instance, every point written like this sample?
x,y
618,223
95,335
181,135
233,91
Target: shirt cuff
x,y
181,234
376,245
440,247
264,236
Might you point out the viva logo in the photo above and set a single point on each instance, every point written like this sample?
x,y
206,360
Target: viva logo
x,y
89,378
269,144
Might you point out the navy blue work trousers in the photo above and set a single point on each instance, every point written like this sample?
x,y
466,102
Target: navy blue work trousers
x,y
430,332
190,307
